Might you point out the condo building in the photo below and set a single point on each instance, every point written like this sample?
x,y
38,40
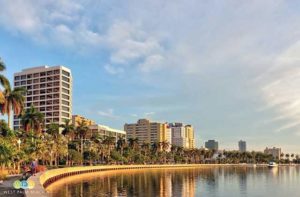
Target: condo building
x,y
275,152
242,146
49,89
182,135
147,131
212,145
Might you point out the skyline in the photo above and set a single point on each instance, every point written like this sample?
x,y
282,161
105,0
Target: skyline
x,y
229,69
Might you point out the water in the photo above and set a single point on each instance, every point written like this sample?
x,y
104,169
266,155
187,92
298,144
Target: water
x,y
206,182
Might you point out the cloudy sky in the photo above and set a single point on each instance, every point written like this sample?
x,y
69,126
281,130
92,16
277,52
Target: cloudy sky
x,y
230,68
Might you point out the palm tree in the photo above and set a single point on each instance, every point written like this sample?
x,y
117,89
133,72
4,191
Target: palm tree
x,y
68,128
121,144
13,101
32,120
81,132
3,81
133,143
53,129
109,141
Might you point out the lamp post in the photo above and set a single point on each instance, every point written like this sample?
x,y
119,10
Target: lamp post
x,y
19,143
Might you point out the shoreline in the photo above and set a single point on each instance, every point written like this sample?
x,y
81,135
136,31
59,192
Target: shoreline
x,y
45,179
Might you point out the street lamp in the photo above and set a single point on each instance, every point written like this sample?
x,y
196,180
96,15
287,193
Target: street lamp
x,y
19,143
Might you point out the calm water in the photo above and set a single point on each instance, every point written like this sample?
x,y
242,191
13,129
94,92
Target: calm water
x,y
218,181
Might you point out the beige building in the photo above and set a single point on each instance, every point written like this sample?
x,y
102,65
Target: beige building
x,y
102,131
275,152
77,119
149,132
182,135
49,89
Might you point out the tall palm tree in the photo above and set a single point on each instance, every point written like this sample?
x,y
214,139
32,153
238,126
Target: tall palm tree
x,y
3,81
109,141
13,101
32,120
81,132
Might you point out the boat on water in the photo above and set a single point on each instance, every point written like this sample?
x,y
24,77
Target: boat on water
x,y
272,164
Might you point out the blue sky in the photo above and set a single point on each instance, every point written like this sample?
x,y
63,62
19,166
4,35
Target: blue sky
x,y
230,68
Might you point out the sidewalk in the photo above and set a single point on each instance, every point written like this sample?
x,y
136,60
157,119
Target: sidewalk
x,y
7,189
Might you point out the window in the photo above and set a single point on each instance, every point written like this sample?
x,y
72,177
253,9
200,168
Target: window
x,y
17,83
65,108
66,91
43,74
66,79
43,80
23,83
35,75
65,114
23,77
65,97
17,77
56,71
65,73
65,85
29,76
65,102
49,73
36,81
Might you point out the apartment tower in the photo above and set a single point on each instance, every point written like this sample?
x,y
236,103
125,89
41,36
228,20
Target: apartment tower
x,y
49,89
182,135
149,132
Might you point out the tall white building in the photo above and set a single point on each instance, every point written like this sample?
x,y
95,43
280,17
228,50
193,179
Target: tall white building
x,y
182,135
49,89
275,152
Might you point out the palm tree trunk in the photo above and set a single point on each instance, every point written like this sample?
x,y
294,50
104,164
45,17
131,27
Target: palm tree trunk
x,y
8,118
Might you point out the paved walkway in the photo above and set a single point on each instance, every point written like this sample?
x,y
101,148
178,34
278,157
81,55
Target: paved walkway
x,y
7,189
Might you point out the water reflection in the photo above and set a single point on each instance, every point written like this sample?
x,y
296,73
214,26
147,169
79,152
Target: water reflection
x,y
218,181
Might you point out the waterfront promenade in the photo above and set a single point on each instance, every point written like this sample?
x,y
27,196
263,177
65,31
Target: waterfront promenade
x,y
42,180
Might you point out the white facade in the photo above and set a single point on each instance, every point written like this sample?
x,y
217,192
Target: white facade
x,y
103,131
49,89
275,152
178,135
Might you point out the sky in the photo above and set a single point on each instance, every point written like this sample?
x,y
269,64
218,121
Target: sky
x,y
230,68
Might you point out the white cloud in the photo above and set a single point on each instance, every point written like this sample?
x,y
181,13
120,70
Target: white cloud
x,y
108,114
113,70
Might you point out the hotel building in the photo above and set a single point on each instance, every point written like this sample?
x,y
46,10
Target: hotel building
x,y
102,131
147,131
275,152
49,89
182,135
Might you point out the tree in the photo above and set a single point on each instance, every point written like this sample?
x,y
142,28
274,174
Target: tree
x,y
109,141
121,144
32,120
81,132
3,81
13,101
68,128
53,130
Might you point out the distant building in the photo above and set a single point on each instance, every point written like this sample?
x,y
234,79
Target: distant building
x,y
275,152
147,131
212,145
242,146
77,119
49,90
182,135
103,131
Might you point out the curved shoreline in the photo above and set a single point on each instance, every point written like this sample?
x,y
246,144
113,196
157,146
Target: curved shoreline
x,y
42,180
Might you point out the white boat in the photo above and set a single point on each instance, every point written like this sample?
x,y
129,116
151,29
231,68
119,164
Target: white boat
x,y
273,164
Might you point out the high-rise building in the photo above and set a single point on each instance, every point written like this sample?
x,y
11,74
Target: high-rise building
x,y
212,145
275,152
242,146
182,135
77,119
49,89
148,132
